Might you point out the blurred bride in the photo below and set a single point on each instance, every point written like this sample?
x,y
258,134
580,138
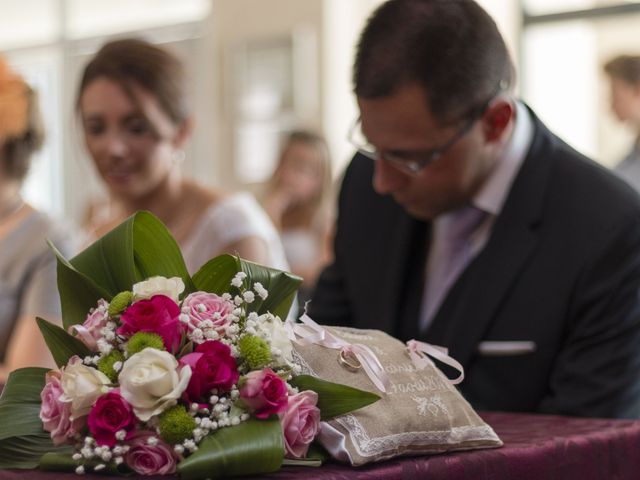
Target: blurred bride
x,y
136,122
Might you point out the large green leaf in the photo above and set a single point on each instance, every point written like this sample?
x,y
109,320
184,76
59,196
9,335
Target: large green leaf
x,y
138,248
64,462
26,451
62,345
78,293
334,399
253,447
20,403
22,439
215,276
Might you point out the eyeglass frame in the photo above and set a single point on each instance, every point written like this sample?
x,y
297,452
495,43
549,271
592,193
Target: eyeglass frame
x,y
414,167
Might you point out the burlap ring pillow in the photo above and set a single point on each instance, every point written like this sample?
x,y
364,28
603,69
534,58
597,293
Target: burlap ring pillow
x,y
421,412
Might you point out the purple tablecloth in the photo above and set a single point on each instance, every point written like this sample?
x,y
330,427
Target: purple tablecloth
x,y
536,447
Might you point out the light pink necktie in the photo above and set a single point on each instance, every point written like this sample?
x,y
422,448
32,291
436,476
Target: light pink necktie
x,y
453,256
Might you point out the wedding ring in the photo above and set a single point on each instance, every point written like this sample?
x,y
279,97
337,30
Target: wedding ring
x,y
349,362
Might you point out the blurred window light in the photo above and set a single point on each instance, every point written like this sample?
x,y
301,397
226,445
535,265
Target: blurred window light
x,y
542,7
562,72
86,18
561,95
28,22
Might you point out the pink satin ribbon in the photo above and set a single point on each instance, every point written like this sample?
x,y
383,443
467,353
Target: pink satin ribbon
x,y
418,352
309,332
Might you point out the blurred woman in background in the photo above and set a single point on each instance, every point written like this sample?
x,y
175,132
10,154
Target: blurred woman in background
x,y
133,106
27,265
624,76
298,200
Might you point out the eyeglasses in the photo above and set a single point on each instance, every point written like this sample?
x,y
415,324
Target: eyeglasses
x,y
414,162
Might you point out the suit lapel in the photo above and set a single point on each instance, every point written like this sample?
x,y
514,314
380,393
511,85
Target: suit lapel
x,y
472,303
400,289
410,280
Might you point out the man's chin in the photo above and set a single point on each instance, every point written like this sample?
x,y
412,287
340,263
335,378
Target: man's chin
x,y
419,213
422,211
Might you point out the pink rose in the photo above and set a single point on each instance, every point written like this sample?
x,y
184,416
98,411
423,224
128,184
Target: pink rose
x,y
159,314
300,423
56,414
110,414
264,392
89,332
212,366
146,459
205,306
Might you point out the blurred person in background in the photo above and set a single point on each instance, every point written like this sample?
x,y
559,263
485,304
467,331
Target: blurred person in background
x,y
624,76
132,102
298,201
27,265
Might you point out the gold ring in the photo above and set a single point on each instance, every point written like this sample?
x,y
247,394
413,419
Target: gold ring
x,y
350,363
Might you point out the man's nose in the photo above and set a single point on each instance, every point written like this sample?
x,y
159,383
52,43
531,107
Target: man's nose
x,y
386,178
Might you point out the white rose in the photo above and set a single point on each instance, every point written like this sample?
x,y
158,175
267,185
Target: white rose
x,y
151,383
279,339
170,287
82,386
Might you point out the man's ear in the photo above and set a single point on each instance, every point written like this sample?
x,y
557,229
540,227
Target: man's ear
x,y
497,118
184,133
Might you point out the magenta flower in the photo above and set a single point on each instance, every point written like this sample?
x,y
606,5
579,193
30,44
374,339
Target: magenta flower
x,y
56,414
156,458
300,423
212,366
264,392
159,314
110,414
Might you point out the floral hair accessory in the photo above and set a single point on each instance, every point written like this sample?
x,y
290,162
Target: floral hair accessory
x,y
14,102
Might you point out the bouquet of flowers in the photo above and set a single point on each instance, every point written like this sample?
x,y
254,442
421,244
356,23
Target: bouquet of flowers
x,y
162,373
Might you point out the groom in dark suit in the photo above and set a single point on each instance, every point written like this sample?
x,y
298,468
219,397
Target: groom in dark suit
x,y
465,223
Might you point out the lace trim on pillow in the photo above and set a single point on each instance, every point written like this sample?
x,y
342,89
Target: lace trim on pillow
x,y
390,445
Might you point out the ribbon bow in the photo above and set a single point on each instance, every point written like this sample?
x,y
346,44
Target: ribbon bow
x,y
309,332
420,351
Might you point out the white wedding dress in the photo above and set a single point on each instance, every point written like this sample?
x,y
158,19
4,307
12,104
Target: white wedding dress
x,y
231,219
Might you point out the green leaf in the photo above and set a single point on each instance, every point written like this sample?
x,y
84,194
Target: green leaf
x,y
20,403
63,462
156,252
62,345
78,293
215,276
334,399
25,452
253,447
138,248
22,439
301,462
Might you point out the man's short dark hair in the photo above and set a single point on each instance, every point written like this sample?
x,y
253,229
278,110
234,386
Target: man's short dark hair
x,y
452,48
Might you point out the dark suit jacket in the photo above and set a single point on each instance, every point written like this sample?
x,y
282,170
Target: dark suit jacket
x,y
561,268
